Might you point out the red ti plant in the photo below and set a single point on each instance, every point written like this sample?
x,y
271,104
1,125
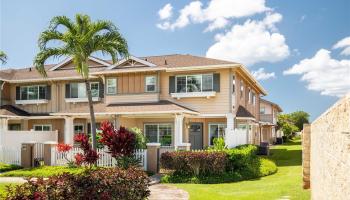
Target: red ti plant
x,y
120,143
89,156
64,149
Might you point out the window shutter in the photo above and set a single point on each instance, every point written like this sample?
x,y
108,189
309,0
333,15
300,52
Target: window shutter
x,y
48,92
101,88
67,90
216,82
171,84
18,93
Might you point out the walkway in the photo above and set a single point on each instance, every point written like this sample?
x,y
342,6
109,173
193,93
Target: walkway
x,y
167,192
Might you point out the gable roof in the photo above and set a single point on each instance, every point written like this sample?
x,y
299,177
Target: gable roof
x,y
273,104
243,112
68,60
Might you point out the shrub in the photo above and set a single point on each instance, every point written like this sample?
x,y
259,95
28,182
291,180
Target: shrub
x,y
194,163
8,167
241,157
89,156
219,144
105,184
140,138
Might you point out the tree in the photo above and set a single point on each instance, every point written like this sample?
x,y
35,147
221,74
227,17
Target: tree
x,y
299,118
3,57
79,40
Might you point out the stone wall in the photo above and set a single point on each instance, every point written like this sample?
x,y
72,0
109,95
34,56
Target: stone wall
x,y
330,153
306,155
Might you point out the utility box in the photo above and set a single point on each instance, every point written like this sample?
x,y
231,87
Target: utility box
x,y
27,155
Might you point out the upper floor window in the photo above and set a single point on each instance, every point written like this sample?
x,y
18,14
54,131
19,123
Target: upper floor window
x,y
233,84
262,110
241,89
254,98
150,82
194,83
111,86
33,92
78,90
249,95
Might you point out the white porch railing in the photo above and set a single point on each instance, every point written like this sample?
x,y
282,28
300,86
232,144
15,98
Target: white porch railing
x,y
105,159
10,155
16,138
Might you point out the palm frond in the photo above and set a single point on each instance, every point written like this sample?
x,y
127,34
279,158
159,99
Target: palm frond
x,y
3,57
64,21
49,35
42,56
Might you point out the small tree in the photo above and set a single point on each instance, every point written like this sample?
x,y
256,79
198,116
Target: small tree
x,y
3,57
120,143
89,156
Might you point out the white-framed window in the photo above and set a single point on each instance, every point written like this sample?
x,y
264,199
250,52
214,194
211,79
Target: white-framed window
x,y
78,90
42,127
254,98
242,126
150,83
78,128
241,89
194,83
159,132
33,92
111,86
233,84
216,130
249,95
262,110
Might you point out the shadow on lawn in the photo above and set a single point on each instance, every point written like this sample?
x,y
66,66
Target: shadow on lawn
x,y
286,157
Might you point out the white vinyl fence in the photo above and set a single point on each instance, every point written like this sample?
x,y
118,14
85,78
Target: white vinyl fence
x,y
236,137
105,159
10,155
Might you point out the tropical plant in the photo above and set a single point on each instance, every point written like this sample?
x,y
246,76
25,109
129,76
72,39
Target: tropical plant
x,y
3,57
79,40
219,144
140,138
89,155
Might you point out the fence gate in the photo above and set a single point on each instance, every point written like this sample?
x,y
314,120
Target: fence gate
x,y
38,154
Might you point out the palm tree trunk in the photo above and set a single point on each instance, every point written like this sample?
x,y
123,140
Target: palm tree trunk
x,y
92,115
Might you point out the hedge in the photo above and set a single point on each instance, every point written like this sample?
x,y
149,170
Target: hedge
x,y
104,183
212,166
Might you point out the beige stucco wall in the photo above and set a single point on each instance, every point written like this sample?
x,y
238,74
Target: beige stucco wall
x,y
330,153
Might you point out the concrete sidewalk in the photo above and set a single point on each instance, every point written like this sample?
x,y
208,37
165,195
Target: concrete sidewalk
x,y
12,180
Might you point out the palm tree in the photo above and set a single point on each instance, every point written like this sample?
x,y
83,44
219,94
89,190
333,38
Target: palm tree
x,y
79,40
3,57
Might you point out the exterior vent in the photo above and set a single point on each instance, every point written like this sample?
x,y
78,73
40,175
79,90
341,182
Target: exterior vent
x,y
165,62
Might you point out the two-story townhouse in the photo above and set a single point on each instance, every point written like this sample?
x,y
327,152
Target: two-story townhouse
x,y
174,99
268,120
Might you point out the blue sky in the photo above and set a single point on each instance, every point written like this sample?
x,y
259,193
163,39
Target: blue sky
x,y
290,30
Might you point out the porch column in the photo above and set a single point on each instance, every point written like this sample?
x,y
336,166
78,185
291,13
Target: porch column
x,y
230,123
68,130
230,138
178,130
3,127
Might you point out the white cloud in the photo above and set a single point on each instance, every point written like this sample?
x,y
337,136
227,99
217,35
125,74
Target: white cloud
x,y
324,74
260,74
251,42
217,13
166,12
344,43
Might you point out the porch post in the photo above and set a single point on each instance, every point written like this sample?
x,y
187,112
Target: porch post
x,y
229,132
230,123
68,130
178,130
3,127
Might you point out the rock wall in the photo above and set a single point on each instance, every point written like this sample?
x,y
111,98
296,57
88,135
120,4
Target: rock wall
x,y
330,153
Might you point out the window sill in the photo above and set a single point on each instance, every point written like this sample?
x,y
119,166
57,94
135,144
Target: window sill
x,y
193,94
81,100
38,101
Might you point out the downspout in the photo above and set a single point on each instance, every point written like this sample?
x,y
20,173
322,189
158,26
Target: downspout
x,y
1,89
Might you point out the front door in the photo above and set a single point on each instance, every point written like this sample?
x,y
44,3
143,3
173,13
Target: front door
x,y
196,135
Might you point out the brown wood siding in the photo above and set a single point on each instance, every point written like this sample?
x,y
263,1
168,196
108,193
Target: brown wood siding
x,y
220,104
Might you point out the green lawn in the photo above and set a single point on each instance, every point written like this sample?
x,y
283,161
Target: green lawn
x,y
287,182
44,171
7,167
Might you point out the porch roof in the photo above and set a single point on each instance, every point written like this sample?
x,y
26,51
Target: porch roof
x,y
13,111
160,107
244,113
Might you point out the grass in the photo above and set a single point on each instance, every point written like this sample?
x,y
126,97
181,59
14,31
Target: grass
x,y
287,182
7,167
44,171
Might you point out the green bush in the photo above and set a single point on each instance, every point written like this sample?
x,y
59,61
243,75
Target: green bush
x,y
140,138
103,183
194,162
211,166
219,144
